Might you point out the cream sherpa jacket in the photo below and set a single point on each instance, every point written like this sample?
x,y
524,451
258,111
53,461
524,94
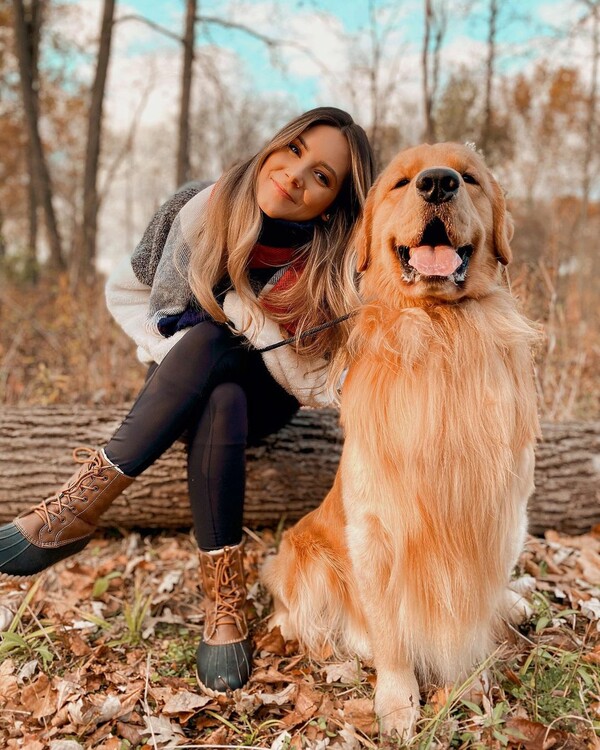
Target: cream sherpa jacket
x,y
128,300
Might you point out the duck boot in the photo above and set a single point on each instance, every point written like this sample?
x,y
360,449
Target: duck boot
x,y
224,657
64,523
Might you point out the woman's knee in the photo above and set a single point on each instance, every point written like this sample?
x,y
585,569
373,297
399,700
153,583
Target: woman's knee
x,y
228,398
204,343
228,409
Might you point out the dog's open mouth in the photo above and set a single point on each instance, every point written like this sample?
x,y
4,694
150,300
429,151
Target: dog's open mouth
x,y
435,258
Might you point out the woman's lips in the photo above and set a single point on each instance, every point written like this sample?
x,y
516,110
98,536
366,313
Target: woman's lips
x,y
282,191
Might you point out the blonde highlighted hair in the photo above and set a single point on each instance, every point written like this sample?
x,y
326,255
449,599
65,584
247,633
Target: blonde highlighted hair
x,y
326,287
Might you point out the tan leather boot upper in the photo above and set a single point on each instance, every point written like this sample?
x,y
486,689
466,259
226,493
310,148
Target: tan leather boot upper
x,y
224,596
73,513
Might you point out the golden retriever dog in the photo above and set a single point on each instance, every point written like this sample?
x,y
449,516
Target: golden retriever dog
x,y
407,562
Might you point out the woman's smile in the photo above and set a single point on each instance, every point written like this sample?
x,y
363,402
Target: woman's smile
x,y
281,190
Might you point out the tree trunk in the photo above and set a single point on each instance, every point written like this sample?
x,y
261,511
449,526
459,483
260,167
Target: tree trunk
x,y
591,125
288,474
2,240
92,156
34,24
25,20
428,131
487,126
183,144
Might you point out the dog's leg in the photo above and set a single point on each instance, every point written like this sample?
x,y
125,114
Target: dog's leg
x,y
308,578
397,691
515,608
397,699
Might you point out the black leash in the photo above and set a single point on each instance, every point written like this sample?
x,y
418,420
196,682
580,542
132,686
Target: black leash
x,y
309,332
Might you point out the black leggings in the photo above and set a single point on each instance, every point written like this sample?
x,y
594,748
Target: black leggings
x,y
215,390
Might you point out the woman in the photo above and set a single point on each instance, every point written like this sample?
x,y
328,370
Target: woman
x,y
263,255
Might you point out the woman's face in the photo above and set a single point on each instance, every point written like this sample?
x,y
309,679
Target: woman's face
x,y
300,181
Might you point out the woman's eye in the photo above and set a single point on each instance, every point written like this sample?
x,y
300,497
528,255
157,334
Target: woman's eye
x,y
322,178
294,149
402,183
468,177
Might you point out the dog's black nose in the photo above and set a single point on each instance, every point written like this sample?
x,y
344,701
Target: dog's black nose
x,y
438,185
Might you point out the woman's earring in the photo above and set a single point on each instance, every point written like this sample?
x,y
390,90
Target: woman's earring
x,y
326,217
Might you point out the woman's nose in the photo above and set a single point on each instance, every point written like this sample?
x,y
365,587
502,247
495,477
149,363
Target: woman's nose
x,y
294,175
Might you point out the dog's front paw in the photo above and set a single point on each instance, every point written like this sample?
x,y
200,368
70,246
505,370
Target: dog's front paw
x,y
281,619
397,704
516,606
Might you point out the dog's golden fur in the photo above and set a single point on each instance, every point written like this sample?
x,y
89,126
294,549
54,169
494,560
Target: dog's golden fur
x,y
408,559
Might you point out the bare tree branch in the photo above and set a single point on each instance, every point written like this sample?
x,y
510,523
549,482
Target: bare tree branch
x,y
156,26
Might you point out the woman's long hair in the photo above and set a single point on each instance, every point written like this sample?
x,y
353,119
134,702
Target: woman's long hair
x,y
326,288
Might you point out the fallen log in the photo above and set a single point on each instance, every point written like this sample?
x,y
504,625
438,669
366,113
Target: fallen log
x,y
288,474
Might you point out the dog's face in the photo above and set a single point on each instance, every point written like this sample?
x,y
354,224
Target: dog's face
x,y
435,228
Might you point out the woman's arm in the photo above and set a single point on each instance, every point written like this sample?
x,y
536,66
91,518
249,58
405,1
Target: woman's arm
x,y
127,301
303,377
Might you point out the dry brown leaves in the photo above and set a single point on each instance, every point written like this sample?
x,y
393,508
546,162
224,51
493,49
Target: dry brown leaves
x,y
103,656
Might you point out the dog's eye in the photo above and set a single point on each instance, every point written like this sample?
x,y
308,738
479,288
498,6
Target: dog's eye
x,y
401,183
467,177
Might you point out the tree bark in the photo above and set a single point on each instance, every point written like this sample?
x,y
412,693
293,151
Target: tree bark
x,y
24,20
34,23
428,130
183,142
92,155
288,474
591,125
490,68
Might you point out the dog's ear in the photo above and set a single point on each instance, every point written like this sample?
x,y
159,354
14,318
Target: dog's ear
x,y
503,227
364,234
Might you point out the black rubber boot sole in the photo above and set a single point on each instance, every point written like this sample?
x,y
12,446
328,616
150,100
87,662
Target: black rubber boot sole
x,y
223,668
19,558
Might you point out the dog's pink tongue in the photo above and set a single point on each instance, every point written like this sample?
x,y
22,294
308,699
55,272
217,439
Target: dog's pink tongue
x,y
441,260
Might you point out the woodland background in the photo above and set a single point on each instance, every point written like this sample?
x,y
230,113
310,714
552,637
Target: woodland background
x,y
79,182
92,140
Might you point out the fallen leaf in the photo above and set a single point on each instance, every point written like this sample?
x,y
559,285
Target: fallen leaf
x,y
184,702
6,617
77,645
307,704
28,741
162,731
272,642
113,743
282,741
269,676
359,712
66,691
535,736
350,739
65,745
218,737
110,708
39,697
169,581
287,695
129,732
589,562
27,670
346,672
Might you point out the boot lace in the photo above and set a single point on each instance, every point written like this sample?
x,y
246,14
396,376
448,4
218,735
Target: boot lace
x,y
229,595
51,508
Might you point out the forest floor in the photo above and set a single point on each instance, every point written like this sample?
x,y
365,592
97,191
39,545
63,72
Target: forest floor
x,y
99,652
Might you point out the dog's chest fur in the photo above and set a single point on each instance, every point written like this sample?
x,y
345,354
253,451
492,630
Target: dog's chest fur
x,y
438,412
442,387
